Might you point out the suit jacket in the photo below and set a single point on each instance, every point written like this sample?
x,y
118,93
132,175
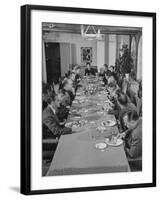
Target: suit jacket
x,y
87,71
90,71
51,121
133,142
71,95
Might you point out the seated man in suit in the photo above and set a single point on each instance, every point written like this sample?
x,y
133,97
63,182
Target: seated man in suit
x,y
106,74
47,90
133,135
77,71
65,100
68,90
90,71
50,119
73,80
112,85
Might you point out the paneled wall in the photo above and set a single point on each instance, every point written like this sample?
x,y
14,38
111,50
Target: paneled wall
x,y
65,57
100,54
77,42
105,51
112,49
139,60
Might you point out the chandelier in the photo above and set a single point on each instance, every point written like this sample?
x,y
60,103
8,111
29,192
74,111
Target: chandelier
x,y
91,33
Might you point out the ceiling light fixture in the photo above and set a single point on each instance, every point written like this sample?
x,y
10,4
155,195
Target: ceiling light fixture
x,y
91,33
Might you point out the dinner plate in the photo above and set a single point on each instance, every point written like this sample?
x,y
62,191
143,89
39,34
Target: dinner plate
x,y
76,117
107,101
73,124
100,112
76,101
101,128
81,101
108,123
76,126
73,111
68,124
118,142
80,97
101,145
103,92
78,94
83,121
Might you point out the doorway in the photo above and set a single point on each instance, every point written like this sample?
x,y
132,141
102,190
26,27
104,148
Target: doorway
x,y
53,65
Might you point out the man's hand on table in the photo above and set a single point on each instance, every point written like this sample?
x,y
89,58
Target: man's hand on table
x,y
122,135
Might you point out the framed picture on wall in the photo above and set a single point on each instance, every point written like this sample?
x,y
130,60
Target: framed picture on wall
x,y
87,131
86,54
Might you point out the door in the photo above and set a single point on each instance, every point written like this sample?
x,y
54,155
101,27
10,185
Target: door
x,y
52,51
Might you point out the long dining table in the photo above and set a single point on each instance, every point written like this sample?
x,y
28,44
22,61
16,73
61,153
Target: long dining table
x,y
76,153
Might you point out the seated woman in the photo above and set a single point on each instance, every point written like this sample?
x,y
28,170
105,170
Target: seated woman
x,y
133,135
102,72
68,88
50,119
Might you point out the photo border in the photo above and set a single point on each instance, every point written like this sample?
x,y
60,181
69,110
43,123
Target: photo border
x,y
26,98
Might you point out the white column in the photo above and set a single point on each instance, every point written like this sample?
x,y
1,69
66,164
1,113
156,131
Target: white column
x,y
100,54
74,54
44,71
112,49
64,57
107,49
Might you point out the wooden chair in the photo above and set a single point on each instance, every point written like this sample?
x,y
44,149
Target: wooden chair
x,y
135,163
49,144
